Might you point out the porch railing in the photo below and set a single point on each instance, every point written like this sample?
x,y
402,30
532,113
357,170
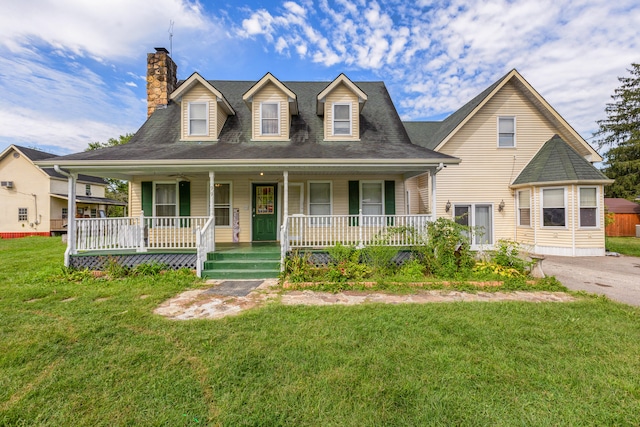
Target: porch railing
x,y
205,243
139,233
320,231
58,224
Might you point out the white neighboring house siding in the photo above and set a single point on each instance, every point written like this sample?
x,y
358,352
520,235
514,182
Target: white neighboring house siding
x,y
27,179
272,94
486,171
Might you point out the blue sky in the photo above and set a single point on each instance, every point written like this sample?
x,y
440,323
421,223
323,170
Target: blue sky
x,y
73,71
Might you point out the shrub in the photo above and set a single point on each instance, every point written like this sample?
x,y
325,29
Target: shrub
x,y
507,254
446,252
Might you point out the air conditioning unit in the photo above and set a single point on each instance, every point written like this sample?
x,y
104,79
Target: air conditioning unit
x,y
6,184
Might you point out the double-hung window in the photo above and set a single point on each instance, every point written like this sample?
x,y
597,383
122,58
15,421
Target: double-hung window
x,y
269,120
87,190
23,214
320,201
506,132
342,119
524,208
198,122
222,204
553,207
166,200
588,207
372,202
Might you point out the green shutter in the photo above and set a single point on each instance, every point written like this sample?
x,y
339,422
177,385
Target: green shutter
x,y
390,200
147,197
354,200
184,195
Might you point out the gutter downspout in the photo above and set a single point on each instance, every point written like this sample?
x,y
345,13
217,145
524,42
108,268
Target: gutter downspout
x,y
71,214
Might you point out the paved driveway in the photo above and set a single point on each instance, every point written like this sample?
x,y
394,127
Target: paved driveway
x,y
616,277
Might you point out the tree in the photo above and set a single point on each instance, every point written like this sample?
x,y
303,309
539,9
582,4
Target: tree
x,y
620,131
116,188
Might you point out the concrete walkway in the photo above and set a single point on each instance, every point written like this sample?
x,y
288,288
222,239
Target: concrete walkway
x,y
616,277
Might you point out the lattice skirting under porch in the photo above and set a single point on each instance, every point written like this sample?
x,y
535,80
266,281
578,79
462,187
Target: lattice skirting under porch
x,y
321,259
100,262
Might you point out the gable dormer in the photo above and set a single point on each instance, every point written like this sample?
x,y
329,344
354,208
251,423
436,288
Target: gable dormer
x,y
203,109
272,104
341,103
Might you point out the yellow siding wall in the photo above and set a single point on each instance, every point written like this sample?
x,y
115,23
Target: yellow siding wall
x,y
341,94
241,196
27,180
271,93
198,93
486,171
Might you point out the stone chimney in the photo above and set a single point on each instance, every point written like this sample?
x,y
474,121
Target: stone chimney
x,y
161,79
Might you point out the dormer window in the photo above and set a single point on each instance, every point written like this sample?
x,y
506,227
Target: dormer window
x,y
198,123
269,118
341,119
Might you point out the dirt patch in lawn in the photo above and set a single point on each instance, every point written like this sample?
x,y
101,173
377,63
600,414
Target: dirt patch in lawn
x,y
206,304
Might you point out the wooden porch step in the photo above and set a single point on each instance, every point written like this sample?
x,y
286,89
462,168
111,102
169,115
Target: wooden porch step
x,y
244,262
240,274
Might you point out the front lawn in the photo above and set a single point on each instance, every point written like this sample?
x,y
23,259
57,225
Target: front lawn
x,y
90,352
624,245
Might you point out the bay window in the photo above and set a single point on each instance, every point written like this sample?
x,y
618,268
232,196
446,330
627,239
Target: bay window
x,y
588,207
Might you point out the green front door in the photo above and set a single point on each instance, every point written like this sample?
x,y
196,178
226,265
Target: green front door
x,y
265,217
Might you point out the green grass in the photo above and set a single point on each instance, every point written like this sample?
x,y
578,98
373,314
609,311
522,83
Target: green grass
x,y
91,353
624,245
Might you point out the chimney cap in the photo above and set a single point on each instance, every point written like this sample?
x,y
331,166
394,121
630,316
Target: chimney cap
x,y
161,49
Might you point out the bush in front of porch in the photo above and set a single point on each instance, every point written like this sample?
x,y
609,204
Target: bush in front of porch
x,y
438,259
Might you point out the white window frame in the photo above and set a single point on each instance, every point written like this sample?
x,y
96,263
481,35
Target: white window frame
x,y
513,118
87,189
361,193
155,199
206,119
596,207
542,208
277,118
65,213
333,119
309,183
472,223
520,224
23,214
221,205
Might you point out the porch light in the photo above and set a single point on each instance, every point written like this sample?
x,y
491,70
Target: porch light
x,y
261,173
501,206
447,207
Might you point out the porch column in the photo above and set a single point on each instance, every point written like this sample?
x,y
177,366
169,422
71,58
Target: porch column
x,y
212,204
71,219
285,197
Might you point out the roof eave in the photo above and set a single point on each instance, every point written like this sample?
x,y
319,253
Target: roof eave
x,y
568,182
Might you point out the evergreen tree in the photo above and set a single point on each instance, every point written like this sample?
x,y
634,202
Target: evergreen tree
x,y
116,188
620,132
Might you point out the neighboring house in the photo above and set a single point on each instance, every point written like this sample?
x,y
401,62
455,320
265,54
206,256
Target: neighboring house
x,y
33,200
625,217
312,164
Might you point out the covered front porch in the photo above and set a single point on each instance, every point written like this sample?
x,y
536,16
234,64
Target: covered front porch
x,y
197,211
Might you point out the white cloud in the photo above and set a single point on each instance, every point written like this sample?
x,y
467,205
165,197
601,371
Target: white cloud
x,y
131,84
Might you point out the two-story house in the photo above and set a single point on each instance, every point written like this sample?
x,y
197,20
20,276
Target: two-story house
x,y
312,164
34,200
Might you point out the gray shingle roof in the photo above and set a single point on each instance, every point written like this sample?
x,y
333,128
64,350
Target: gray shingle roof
x,y
431,134
556,161
382,134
